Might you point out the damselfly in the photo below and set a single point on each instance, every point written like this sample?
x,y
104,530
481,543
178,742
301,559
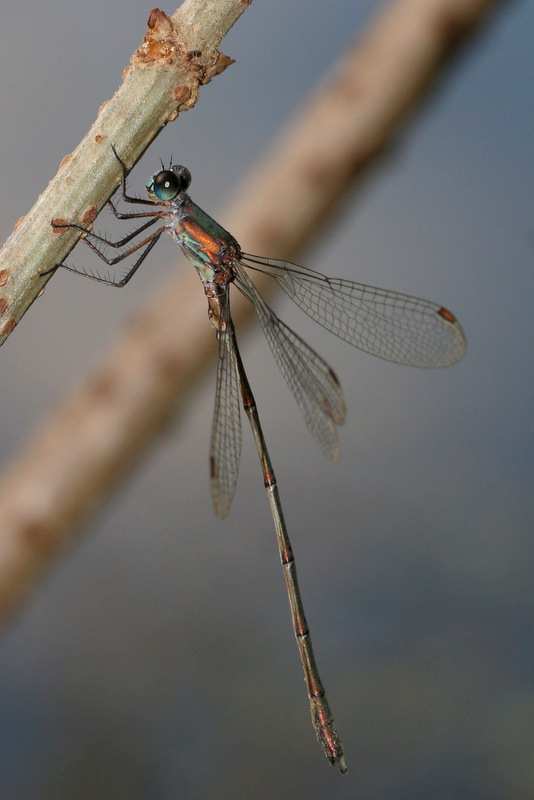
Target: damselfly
x,y
387,324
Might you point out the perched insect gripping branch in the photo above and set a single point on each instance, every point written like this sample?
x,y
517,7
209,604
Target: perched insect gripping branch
x,y
387,324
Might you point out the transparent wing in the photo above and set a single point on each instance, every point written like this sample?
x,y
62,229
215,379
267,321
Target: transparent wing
x,y
387,324
313,383
225,447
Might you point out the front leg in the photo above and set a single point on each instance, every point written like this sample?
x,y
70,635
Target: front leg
x,y
125,196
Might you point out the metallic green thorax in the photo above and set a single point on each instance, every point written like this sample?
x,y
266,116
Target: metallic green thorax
x,y
209,247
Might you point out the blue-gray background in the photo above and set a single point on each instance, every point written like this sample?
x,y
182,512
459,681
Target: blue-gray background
x,y
155,658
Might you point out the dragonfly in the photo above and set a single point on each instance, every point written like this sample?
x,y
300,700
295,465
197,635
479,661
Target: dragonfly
x,y
394,326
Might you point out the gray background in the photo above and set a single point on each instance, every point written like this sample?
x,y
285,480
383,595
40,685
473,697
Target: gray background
x,y
155,658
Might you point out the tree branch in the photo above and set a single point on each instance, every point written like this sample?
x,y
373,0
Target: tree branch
x,y
88,445
178,55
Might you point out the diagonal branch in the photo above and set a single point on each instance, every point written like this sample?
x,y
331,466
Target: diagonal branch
x,y
178,55
88,445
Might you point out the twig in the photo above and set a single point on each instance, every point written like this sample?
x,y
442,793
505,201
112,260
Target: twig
x,y
179,54
88,445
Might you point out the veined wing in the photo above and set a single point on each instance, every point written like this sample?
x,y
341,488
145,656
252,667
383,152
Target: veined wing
x,y
225,447
313,383
391,325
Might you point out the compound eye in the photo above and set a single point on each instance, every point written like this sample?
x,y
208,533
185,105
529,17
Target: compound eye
x,y
183,175
166,185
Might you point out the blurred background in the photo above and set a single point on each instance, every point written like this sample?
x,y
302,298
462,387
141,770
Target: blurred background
x,y
155,658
